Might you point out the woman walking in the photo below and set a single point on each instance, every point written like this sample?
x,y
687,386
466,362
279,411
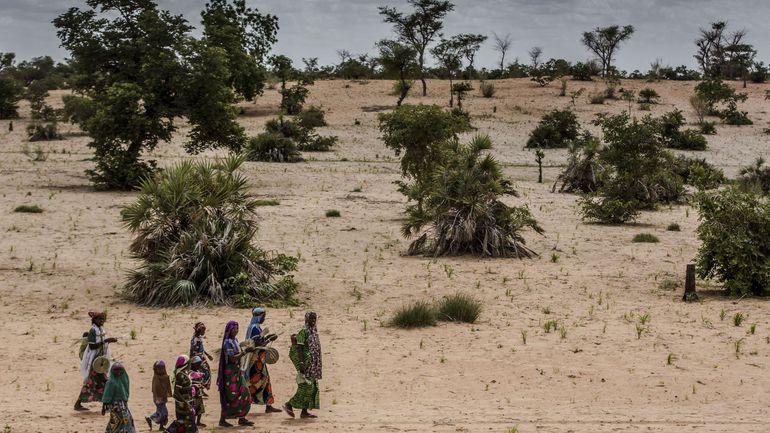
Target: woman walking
x,y
259,378
98,346
115,399
305,354
196,349
183,398
233,390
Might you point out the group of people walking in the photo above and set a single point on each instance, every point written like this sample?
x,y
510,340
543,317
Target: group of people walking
x,y
243,378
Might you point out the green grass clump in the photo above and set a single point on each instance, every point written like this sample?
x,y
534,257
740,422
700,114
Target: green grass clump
x,y
645,237
418,315
28,209
267,202
673,227
459,308
332,213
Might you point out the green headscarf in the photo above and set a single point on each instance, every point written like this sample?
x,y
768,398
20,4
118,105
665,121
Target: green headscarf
x,y
116,388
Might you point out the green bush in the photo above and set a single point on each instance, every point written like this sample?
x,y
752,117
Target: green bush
x,y
487,89
735,233
11,92
755,177
37,131
722,100
557,129
293,98
698,173
735,117
582,72
584,172
594,207
270,147
648,96
459,308
266,202
672,137
28,209
645,238
311,118
418,315
193,226
708,128
317,143
597,98
673,227
332,213
402,88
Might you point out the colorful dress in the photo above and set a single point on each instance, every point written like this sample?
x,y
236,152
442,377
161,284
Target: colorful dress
x,y
185,415
93,382
234,393
196,349
197,383
259,378
308,396
121,420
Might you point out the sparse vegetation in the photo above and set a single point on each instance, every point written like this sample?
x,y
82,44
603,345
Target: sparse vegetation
x,y
673,227
646,238
417,315
459,308
332,213
28,209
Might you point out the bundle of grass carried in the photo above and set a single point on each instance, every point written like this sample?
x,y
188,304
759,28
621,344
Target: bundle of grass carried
x,y
193,226
461,211
557,129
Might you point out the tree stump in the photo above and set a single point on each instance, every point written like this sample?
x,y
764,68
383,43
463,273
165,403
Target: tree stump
x,y
689,284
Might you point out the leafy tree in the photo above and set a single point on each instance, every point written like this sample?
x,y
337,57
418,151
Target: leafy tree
x,y
462,212
724,55
419,28
11,91
735,249
471,44
605,41
193,226
246,36
502,45
292,98
461,89
140,70
400,60
44,117
449,53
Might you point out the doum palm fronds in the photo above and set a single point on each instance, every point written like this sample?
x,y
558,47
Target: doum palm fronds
x,y
461,212
193,227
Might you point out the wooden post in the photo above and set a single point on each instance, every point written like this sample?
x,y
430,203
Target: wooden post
x,y
689,284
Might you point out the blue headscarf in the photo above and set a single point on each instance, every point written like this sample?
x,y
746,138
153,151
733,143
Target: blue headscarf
x,y
255,326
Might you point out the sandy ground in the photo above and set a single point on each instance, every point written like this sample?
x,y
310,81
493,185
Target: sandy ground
x,y
72,258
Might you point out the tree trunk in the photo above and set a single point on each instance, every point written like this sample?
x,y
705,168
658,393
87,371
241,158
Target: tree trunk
x,y
689,284
422,74
451,93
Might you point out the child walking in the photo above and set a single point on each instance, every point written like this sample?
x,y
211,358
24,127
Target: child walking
x,y
197,378
161,391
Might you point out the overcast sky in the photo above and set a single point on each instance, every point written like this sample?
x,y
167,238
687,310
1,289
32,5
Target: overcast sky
x,y
318,28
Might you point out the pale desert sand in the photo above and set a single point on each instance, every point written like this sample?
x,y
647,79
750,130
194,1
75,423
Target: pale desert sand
x,y
72,258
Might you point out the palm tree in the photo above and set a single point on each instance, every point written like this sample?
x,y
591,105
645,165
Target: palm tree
x,y
193,225
462,213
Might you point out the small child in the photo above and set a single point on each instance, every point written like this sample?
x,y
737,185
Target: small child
x,y
161,392
197,378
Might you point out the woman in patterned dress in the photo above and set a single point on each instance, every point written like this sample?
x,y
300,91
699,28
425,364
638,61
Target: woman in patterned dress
x,y
115,399
196,349
259,378
233,388
183,398
305,354
98,345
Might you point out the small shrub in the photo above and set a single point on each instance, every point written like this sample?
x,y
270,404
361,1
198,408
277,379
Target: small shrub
x,y
708,128
37,131
418,315
597,98
732,116
266,202
402,88
270,147
755,177
689,139
672,137
738,319
606,210
459,308
462,118
332,213
311,118
293,98
645,107
487,90
583,172
317,143
582,71
28,209
648,96
646,237
673,227
698,173
557,129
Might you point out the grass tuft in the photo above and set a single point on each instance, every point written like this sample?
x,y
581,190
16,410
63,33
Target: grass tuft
x,y
418,315
646,237
332,213
267,202
28,209
673,227
459,308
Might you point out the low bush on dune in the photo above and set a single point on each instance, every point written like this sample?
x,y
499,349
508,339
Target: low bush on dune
x,y
645,238
311,118
417,315
557,129
193,226
584,171
487,90
756,177
698,172
458,308
271,147
28,209
674,138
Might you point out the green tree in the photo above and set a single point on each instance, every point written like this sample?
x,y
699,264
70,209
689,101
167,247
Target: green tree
x,y
139,70
449,54
292,98
11,91
400,60
419,28
246,36
605,41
